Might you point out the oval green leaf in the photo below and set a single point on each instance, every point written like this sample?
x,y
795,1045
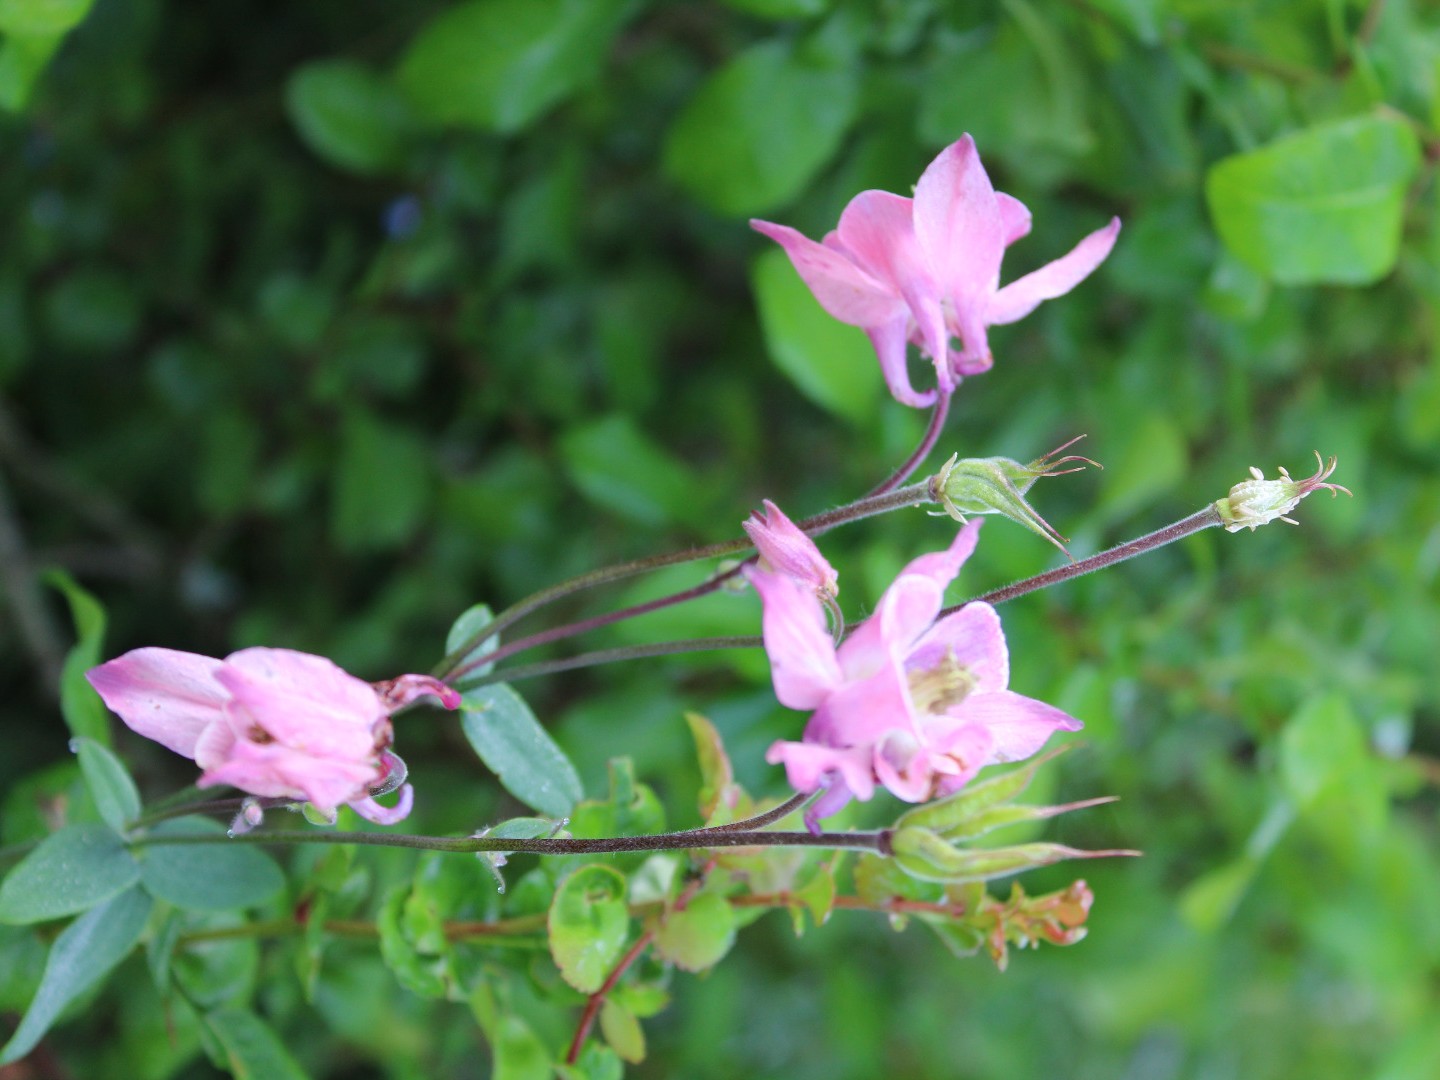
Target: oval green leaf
x,y
499,64
830,363
349,116
252,1049
110,785
81,956
508,738
589,923
1321,206
207,877
699,936
71,871
760,129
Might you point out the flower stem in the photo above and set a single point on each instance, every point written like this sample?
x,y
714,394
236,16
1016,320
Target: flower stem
x,y
612,656
927,443
455,666
864,841
1201,519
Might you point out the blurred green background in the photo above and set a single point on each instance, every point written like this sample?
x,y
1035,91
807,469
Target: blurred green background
x,y
321,321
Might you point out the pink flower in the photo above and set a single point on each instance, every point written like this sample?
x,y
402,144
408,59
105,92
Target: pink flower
x,y
271,722
928,269
916,705
784,549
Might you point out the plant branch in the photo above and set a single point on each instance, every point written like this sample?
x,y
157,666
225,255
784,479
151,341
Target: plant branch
x,y
455,665
1201,519
927,443
678,841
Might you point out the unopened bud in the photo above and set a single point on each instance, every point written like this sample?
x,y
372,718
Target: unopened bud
x,y
1259,501
924,855
997,485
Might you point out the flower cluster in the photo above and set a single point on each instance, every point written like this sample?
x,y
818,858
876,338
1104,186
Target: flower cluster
x,y
272,722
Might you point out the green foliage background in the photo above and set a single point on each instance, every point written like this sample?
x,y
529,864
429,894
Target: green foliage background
x,y
321,322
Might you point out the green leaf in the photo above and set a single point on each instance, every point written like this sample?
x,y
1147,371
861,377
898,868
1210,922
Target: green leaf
x,y
350,116
471,622
699,936
500,64
589,923
252,1049
82,955
760,129
622,1031
110,785
829,362
85,714
207,877
517,1053
382,484
619,468
72,870
1150,461
23,60
780,9
717,778
1322,205
520,828
511,742
424,974
1321,746
29,18
1209,901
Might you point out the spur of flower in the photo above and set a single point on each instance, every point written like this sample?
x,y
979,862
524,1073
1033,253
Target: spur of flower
x,y
784,549
926,270
272,722
908,702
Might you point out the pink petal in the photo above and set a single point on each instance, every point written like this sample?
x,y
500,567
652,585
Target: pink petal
x,y
304,701
1014,217
1021,297
371,810
1019,725
843,289
214,745
959,225
865,710
402,690
943,566
809,767
877,232
163,694
802,655
786,550
276,770
890,340
972,747
973,636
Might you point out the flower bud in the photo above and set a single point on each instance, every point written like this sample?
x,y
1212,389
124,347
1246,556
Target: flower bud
x,y
997,485
1259,501
923,854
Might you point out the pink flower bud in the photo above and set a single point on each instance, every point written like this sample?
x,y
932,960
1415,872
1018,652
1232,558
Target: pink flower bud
x,y
784,549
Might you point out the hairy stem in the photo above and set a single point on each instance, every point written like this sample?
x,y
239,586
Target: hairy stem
x,y
455,666
922,451
864,841
1201,519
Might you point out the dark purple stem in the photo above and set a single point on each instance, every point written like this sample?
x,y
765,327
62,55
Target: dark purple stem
x,y
927,443
1201,519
